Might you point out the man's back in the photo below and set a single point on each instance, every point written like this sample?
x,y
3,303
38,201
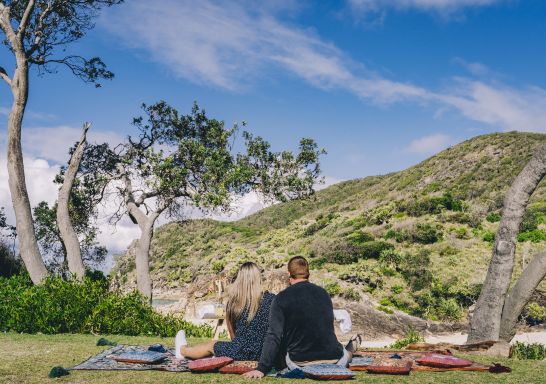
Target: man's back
x,y
302,319
309,323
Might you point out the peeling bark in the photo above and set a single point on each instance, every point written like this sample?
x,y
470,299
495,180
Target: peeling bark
x,y
28,245
66,228
520,295
486,320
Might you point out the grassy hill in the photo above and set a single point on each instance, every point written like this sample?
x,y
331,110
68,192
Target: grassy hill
x,y
418,241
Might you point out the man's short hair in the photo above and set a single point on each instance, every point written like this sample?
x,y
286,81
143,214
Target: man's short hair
x,y
298,268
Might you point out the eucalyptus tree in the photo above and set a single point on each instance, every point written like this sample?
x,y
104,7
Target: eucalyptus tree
x,y
499,307
36,33
182,161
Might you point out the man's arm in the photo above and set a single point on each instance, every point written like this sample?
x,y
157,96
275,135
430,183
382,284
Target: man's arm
x,y
272,342
273,337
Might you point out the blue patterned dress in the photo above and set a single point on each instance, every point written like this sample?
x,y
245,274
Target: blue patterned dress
x,y
249,337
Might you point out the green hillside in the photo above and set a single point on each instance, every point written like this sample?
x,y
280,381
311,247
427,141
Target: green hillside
x,y
418,240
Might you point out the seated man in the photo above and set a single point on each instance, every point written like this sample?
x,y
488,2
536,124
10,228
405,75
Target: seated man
x,y
301,319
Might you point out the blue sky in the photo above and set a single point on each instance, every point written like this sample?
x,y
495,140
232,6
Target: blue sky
x,y
381,85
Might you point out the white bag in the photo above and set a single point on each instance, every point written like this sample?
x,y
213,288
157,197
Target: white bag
x,y
344,319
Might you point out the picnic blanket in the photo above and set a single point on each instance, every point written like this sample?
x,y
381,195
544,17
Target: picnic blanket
x,y
105,361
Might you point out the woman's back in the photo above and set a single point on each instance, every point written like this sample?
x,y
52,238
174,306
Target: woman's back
x,y
249,336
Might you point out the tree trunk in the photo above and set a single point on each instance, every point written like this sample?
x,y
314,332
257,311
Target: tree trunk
x,y
485,322
520,294
28,246
142,259
66,228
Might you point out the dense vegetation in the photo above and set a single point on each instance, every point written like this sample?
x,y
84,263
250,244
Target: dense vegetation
x,y
418,241
60,306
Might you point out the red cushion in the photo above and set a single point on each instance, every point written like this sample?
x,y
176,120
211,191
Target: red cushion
x,y
239,367
209,364
444,361
398,368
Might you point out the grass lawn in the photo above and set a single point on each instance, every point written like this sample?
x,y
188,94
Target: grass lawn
x,y
29,358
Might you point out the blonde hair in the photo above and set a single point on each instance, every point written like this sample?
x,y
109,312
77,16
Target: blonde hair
x,y
245,293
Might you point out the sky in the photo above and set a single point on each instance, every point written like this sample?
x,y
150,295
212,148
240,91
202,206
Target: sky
x,y
380,84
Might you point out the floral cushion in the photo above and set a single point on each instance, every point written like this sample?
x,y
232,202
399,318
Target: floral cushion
x,y
239,367
327,372
443,361
209,364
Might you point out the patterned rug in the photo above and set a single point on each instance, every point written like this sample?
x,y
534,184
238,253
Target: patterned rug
x,y
105,361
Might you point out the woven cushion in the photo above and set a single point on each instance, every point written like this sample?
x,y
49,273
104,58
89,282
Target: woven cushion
x,y
209,364
143,357
239,367
391,368
327,372
443,361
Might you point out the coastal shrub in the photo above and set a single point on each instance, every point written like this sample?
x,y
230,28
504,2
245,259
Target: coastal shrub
x,y
9,264
89,306
322,221
380,215
523,351
391,258
333,288
534,236
535,314
431,205
493,217
415,269
218,266
347,252
533,217
350,294
488,236
359,237
425,234
373,249
460,233
412,336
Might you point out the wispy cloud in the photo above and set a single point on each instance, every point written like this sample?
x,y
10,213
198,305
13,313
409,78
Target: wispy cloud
x,y
442,7
474,68
230,45
429,144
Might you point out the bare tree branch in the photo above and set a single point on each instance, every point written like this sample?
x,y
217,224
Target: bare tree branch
x,y
5,24
24,20
520,295
39,29
4,76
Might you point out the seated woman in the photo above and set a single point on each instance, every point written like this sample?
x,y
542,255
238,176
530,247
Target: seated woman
x,y
247,319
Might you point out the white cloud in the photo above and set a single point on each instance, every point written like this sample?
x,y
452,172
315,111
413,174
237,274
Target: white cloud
x,y
429,144
4,111
444,7
499,105
228,45
53,143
